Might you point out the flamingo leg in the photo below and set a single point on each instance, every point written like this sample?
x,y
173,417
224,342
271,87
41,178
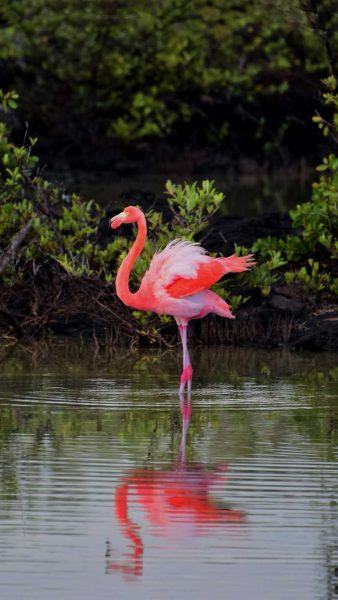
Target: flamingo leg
x,y
186,415
186,375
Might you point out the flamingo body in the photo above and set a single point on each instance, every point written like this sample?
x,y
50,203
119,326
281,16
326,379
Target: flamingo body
x,y
178,279
177,282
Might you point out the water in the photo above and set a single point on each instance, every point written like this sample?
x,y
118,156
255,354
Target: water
x,y
101,498
245,195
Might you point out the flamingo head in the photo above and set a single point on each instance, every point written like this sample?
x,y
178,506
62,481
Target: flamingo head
x,y
128,215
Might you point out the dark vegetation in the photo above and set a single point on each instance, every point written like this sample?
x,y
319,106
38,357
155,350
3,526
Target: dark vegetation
x,y
112,78
58,257
239,77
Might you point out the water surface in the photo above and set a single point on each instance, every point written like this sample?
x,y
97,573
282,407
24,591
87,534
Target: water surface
x,y
245,195
101,497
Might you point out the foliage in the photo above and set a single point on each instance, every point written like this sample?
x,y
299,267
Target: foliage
x,y
219,68
330,99
64,228
8,100
61,230
310,277
315,221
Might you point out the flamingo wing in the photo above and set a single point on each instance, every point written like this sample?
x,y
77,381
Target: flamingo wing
x,y
208,274
184,268
179,260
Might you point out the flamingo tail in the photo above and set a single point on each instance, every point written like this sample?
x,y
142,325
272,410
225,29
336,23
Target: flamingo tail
x,y
238,264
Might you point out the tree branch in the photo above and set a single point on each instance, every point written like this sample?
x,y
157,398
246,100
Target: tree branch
x,y
9,254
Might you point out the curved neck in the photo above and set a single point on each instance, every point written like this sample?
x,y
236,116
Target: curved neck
x,y
130,528
123,274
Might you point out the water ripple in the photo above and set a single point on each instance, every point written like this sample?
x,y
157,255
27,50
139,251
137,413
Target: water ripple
x,y
105,492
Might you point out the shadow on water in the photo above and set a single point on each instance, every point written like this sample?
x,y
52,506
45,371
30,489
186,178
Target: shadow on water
x,y
175,501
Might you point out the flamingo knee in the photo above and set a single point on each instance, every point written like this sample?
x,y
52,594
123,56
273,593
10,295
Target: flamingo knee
x,y
186,374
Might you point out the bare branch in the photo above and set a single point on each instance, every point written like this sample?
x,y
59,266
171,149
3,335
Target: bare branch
x,y
9,254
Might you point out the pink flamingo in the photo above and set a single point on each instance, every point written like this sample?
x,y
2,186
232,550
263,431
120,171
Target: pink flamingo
x,y
177,282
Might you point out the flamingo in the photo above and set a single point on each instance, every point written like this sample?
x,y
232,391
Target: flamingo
x,y
177,282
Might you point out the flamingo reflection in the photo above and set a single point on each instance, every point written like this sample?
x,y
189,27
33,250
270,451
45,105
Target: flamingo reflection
x,y
176,502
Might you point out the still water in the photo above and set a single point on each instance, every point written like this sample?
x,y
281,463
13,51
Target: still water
x,y
107,491
244,195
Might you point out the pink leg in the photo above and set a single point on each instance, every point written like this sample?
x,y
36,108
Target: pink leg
x,y
186,415
186,376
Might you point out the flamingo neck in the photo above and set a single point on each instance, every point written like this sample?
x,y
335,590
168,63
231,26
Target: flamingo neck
x,y
123,274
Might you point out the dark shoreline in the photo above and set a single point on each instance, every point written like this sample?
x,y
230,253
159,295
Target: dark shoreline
x,y
72,306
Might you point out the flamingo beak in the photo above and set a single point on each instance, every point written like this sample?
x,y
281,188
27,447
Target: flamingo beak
x,y
116,221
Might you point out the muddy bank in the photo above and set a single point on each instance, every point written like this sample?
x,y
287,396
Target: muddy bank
x,y
267,326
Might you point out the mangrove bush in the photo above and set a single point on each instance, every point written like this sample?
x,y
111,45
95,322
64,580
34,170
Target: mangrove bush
x,y
235,74
57,269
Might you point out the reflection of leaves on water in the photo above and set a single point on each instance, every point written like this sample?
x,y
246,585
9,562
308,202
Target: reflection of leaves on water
x,y
76,360
70,365
8,477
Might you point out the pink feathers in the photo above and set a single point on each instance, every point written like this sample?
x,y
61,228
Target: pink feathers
x,y
180,259
237,264
183,269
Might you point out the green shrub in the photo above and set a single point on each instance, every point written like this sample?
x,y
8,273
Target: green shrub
x,y
136,70
315,220
63,229
309,277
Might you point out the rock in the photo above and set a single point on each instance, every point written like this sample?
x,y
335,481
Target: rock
x,y
224,232
319,331
286,304
290,291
